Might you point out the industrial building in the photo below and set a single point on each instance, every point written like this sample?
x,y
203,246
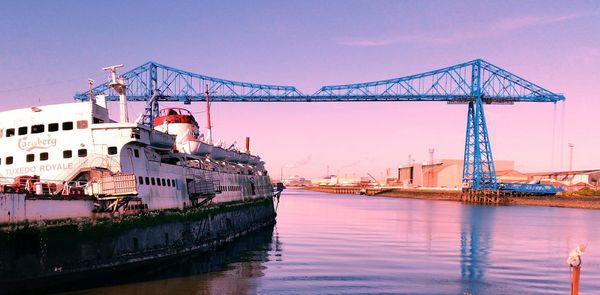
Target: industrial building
x,y
571,180
447,173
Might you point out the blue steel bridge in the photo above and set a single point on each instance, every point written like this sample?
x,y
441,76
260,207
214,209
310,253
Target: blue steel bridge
x,y
475,83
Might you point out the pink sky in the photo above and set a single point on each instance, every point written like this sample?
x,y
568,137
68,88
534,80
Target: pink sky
x,y
48,53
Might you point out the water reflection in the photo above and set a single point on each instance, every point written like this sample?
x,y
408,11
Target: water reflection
x,y
476,233
232,269
343,244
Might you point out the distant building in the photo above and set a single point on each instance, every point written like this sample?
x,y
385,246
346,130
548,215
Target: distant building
x,y
332,180
511,176
569,179
447,173
296,181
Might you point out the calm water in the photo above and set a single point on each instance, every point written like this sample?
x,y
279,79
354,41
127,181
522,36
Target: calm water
x,y
345,244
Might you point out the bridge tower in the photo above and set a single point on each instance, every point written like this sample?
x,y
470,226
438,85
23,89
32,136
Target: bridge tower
x,y
479,172
475,83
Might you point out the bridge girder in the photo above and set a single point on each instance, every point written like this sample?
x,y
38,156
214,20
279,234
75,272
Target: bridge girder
x,y
475,83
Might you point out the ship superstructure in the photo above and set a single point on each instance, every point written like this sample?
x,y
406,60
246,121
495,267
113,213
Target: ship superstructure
x,y
75,152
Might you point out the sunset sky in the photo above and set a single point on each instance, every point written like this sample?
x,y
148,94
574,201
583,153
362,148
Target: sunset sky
x,y
50,48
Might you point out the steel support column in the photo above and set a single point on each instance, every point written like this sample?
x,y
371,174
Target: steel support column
x,y
152,88
479,172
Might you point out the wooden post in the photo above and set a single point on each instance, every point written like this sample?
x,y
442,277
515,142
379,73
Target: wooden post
x,y
575,270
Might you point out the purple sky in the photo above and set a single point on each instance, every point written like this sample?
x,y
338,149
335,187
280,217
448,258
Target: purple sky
x,y
50,48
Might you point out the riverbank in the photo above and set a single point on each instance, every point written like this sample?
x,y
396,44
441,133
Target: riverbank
x,y
568,201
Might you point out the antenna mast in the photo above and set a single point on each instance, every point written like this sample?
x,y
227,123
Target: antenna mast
x,y
118,84
209,126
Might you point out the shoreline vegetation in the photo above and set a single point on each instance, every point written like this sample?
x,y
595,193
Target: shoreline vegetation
x,y
585,198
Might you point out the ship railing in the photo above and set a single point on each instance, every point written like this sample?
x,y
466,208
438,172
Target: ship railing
x,y
39,186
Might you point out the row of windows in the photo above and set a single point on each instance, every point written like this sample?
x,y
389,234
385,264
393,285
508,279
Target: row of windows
x,y
39,128
230,188
156,181
67,154
171,182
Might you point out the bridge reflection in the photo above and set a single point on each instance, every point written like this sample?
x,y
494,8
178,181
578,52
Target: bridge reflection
x,y
476,235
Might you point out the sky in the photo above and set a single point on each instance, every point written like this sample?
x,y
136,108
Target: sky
x,y
50,48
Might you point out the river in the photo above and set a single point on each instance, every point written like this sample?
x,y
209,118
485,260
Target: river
x,y
346,244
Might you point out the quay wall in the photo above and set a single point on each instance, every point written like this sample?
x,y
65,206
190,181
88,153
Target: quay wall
x,y
419,193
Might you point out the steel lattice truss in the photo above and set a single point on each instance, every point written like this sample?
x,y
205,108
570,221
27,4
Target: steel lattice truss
x,y
170,84
452,84
475,83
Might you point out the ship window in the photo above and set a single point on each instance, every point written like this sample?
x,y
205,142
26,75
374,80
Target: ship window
x,y
112,150
168,182
96,120
141,180
37,129
173,182
10,132
9,160
22,130
158,181
67,154
67,126
52,127
82,153
164,183
147,180
30,157
43,156
153,181
136,153
83,124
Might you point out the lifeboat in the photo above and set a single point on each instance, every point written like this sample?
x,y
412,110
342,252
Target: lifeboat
x,y
254,160
161,140
234,156
244,158
181,123
218,153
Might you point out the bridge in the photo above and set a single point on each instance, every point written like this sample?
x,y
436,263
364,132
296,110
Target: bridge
x,y
475,83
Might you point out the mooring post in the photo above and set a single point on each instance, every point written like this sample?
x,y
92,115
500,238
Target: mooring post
x,y
574,262
575,270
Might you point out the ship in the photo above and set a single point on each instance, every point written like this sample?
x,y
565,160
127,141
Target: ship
x,y
84,196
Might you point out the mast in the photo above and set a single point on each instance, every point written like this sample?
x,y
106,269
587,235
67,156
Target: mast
x,y
209,127
91,84
118,84
92,99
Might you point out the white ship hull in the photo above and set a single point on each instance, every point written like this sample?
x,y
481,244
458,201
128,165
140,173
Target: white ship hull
x,y
72,157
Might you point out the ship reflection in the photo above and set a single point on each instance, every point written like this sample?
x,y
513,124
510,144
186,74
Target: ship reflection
x,y
475,245
232,269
